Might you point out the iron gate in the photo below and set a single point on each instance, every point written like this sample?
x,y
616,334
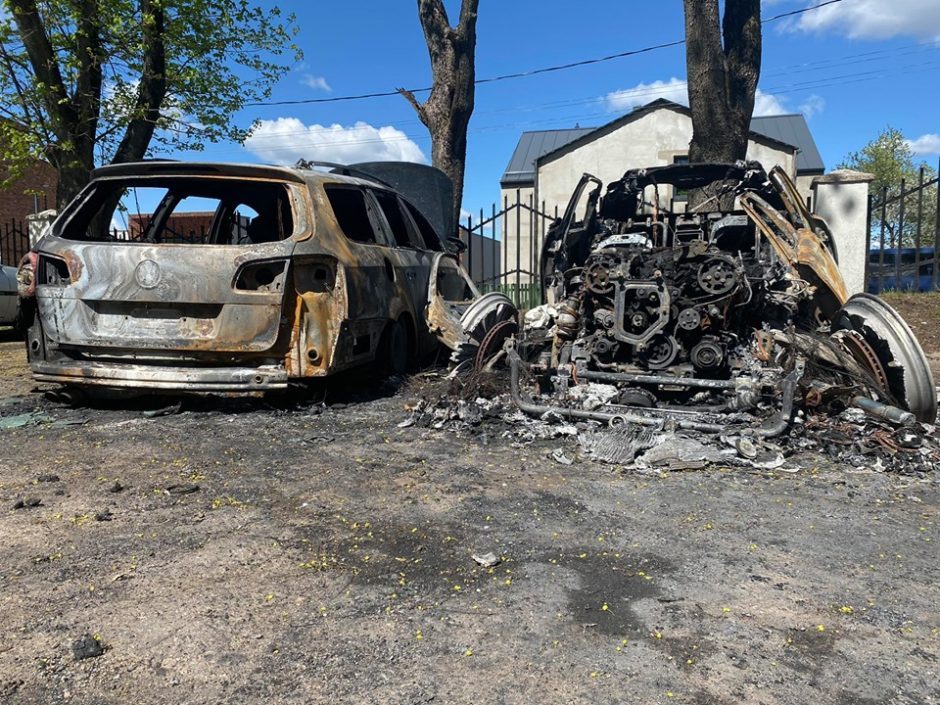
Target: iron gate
x,y
903,237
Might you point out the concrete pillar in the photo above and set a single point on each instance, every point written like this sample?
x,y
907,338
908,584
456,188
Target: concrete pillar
x,y
38,225
841,199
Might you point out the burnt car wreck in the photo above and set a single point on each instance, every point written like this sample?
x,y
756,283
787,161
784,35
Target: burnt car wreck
x,y
725,318
244,279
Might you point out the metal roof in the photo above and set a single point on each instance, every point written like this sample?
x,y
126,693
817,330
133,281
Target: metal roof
x,y
790,130
533,145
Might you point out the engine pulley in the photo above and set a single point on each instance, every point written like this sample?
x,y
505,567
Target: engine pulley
x,y
717,276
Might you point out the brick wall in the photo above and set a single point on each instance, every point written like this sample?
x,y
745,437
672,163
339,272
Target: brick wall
x,y
16,201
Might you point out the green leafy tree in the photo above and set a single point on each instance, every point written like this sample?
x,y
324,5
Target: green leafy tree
x,y
89,82
888,157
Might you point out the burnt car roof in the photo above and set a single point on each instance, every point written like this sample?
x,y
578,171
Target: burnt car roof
x,y
425,187
690,175
159,167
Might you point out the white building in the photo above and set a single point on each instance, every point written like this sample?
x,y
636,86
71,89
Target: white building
x,y
547,164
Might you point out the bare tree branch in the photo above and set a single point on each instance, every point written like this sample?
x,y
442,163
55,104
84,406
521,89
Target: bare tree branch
x,y
447,111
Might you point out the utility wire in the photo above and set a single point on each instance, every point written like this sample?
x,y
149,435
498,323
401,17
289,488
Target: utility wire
x,y
653,90
290,147
526,74
780,89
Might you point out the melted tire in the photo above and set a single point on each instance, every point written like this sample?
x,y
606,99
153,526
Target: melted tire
x,y
910,381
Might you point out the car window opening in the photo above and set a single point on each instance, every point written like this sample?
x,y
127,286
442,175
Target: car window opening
x,y
184,211
349,206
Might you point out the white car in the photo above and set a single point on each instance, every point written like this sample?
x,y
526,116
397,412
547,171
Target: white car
x,y
8,296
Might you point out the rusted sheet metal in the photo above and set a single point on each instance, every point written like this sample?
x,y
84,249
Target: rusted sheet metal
x,y
444,310
801,248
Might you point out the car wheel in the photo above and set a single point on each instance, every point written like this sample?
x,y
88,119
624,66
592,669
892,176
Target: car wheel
x,y
394,351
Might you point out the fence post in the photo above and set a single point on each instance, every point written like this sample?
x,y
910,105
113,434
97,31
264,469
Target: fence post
x,y
936,234
920,218
898,241
531,234
871,203
881,240
470,245
518,243
505,234
494,248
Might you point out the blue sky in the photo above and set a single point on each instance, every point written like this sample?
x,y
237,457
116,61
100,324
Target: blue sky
x,y
852,68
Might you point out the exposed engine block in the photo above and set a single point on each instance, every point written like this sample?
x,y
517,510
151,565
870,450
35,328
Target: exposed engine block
x,y
690,305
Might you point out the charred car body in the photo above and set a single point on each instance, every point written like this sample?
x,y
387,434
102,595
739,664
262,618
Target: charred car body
x,y
243,278
735,306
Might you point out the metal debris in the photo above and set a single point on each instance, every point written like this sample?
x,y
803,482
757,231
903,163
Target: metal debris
x,y
487,560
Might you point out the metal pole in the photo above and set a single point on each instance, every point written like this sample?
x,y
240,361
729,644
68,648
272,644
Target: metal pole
x,y
470,246
871,202
881,244
898,240
936,234
518,244
920,217
495,248
531,248
505,234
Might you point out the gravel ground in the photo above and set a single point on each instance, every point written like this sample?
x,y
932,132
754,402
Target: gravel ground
x,y
250,554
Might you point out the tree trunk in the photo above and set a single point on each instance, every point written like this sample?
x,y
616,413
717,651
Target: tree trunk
x,y
446,113
74,118
722,80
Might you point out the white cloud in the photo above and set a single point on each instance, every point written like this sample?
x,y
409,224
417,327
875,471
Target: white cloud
x,y
676,90
643,93
813,105
768,104
285,140
317,83
925,144
874,19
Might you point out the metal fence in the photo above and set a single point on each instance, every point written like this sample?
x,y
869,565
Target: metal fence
x,y
503,249
904,237
14,242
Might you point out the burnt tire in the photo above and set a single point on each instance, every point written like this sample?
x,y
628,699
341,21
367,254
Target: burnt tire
x,y
909,379
394,350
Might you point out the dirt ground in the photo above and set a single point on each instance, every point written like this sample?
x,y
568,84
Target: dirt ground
x,y
255,554
922,313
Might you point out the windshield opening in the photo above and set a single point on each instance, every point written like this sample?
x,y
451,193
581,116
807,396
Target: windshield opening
x,y
181,210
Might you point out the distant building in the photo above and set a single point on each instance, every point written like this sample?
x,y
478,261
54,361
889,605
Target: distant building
x,y
547,164
188,226
33,192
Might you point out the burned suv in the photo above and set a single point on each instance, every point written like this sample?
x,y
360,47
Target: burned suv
x,y
239,279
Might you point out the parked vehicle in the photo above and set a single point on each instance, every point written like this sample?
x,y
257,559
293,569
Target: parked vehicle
x,y
241,279
883,270
8,298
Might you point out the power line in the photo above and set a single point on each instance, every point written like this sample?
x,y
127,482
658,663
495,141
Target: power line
x,y
653,90
797,87
526,74
793,86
